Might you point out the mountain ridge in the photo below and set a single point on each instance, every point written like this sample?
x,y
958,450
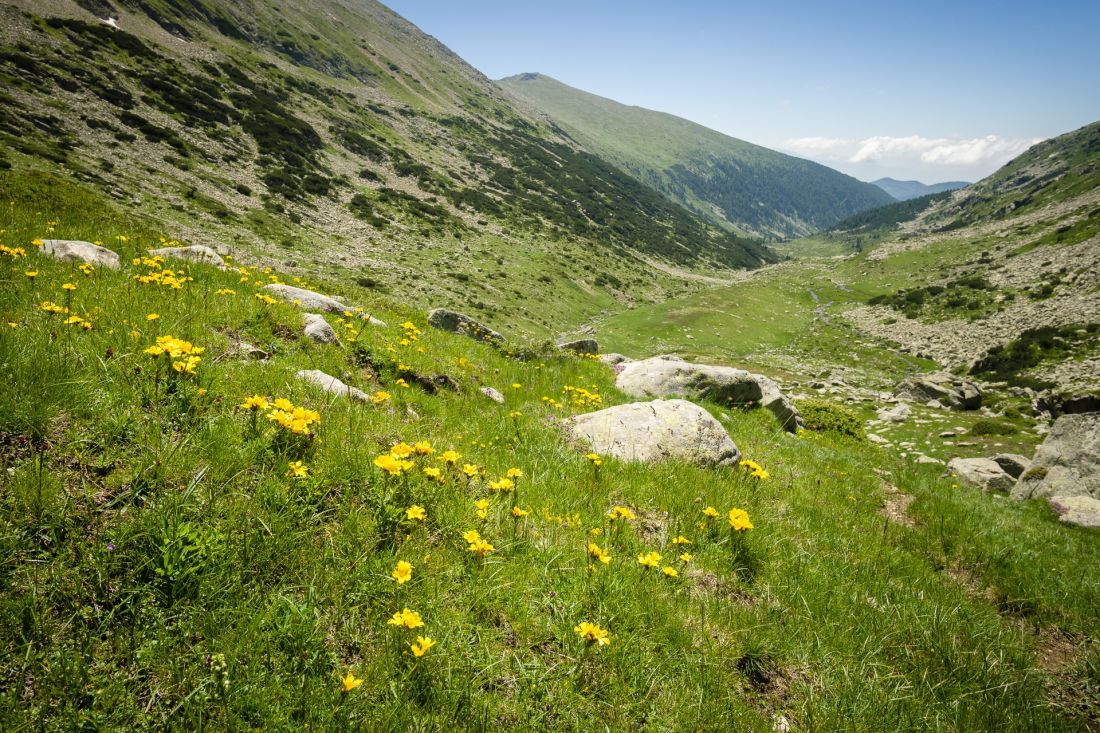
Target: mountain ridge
x,y
905,190
735,183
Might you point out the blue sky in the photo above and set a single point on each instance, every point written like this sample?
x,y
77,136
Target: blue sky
x,y
927,90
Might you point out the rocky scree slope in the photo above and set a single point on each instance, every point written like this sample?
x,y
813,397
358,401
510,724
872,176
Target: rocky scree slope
x,y
1014,292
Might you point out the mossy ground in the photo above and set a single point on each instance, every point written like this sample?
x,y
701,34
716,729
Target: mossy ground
x,y
159,568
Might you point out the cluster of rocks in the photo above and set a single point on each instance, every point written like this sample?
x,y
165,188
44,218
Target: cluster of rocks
x,y
1065,470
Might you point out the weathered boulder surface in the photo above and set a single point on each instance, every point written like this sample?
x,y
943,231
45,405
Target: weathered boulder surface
x,y
310,300
947,389
581,346
71,250
653,431
317,328
460,323
664,376
1068,461
493,394
1083,511
1013,463
611,359
898,413
981,472
331,384
193,253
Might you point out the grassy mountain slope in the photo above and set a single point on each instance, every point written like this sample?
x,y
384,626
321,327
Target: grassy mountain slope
x,y
735,183
166,563
337,137
905,190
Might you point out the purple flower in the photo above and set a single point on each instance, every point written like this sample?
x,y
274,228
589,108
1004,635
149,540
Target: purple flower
x,y
110,547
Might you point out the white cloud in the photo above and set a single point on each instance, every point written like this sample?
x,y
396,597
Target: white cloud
x,y
941,150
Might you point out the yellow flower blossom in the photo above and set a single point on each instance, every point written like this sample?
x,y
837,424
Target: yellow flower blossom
x,y
403,572
592,634
681,540
350,682
422,645
669,571
710,512
504,484
423,448
649,560
379,397
401,450
255,402
594,459
599,553
482,508
519,513
450,457
152,316
470,469
416,512
739,520
406,619
433,473
514,473
686,557
620,512
391,465
68,286
284,404
297,469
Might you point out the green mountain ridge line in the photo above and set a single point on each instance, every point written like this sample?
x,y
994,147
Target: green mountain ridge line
x,y
737,184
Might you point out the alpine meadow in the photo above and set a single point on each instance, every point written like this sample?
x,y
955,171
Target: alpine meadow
x,y
346,389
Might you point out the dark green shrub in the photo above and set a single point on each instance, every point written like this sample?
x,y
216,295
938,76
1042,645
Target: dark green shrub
x,y
992,427
829,417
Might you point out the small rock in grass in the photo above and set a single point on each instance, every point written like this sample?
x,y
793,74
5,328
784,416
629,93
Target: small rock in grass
x,y
70,250
194,253
331,384
318,329
493,394
984,473
1082,511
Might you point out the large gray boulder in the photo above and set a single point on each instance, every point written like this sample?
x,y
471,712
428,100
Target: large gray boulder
x,y
1082,511
1068,461
581,346
664,376
194,253
460,323
71,250
332,385
654,431
310,300
318,329
984,473
947,389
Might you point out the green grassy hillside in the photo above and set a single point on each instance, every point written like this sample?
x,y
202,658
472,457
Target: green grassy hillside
x,y
175,556
339,140
732,182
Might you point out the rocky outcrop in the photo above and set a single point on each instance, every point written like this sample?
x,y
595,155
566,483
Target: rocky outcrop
x,y
653,431
981,472
194,253
460,323
71,250
318,329
1068,461
331,384
949,390
612,359
664,376
1082,511
310,300
581,346
898,413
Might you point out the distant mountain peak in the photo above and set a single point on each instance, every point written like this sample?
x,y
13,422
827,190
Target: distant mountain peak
x,y
905,190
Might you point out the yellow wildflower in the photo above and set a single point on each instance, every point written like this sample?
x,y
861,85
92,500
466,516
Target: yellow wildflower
x,y
470,469
710,512
152,316
620,512
350,682
255,402
669,571
450,457
686,557
514,473
379,397
297,469
433,473
416,512
681,540
599,553
423,448
68,286
284,404
407,619
592,634
594,459
649,560
401,450
518,513
504,484
482,508
739,520
403,572
422,645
